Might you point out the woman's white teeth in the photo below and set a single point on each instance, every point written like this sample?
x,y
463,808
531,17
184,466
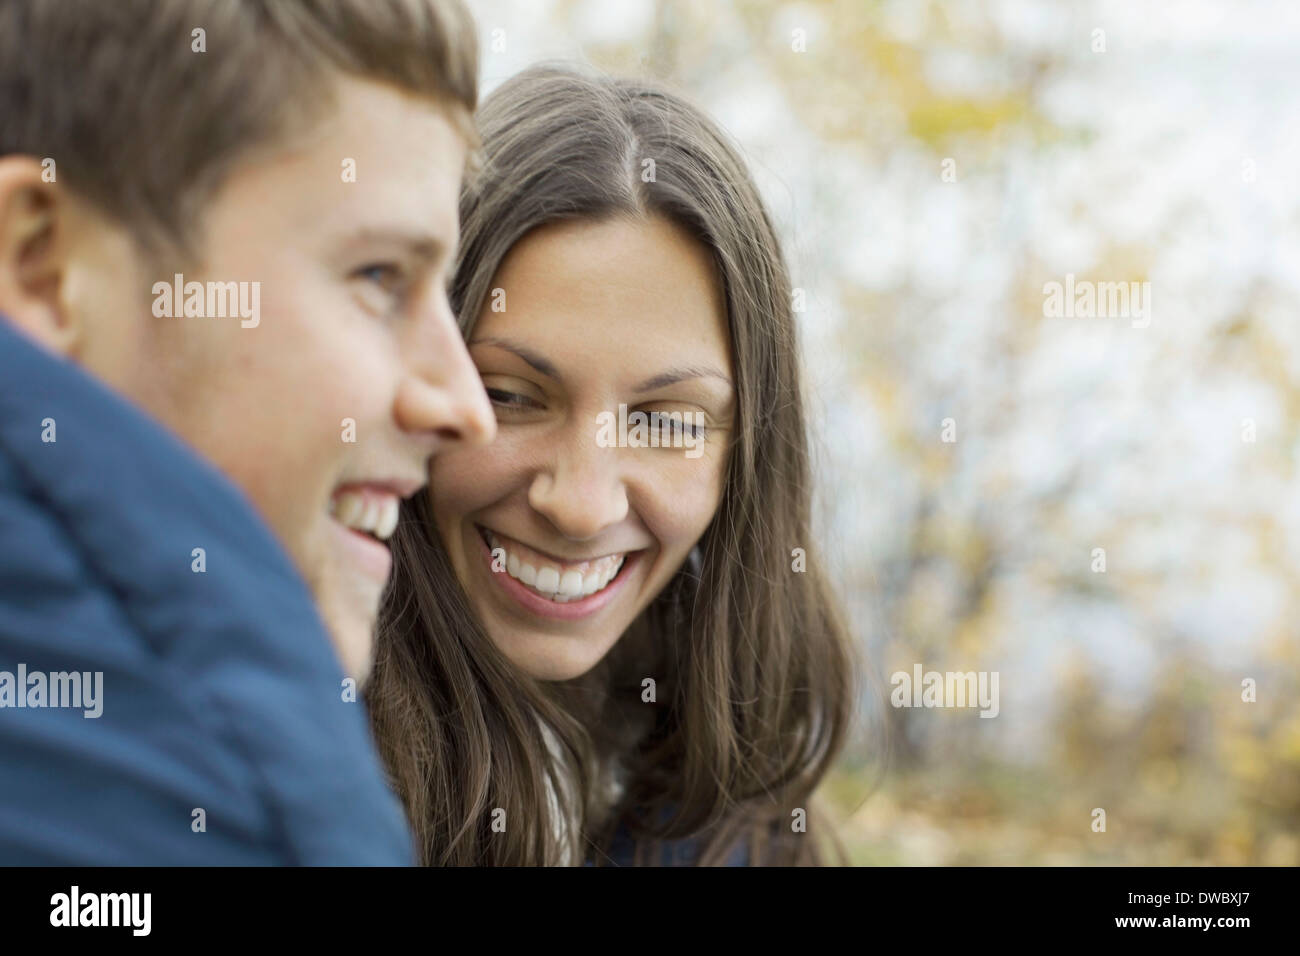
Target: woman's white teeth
x,y
555,582
548,580
376,515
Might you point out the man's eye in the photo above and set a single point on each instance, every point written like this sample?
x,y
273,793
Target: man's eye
x,y
387,275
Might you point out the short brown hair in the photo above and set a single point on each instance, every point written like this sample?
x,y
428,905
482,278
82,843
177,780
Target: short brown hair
x,y
146,128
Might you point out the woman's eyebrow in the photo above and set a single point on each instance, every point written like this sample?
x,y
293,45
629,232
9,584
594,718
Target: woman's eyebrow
x,y
670,377
681,374
545,366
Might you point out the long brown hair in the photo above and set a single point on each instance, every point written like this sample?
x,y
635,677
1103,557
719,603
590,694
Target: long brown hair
x,y
753,668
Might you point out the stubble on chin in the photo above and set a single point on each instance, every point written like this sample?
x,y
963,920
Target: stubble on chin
x,y
349,616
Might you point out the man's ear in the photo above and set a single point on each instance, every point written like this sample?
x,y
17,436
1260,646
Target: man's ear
x,y
33,250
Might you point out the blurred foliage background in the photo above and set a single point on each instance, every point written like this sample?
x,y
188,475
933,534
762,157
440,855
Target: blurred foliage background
x,y
1115,141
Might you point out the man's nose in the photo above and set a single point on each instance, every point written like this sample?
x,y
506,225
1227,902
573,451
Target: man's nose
x,y
442,395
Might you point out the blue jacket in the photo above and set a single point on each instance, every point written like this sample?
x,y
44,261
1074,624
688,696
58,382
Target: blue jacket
x,y
220,691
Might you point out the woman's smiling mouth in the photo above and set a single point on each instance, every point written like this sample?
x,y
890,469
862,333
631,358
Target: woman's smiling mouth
x,y
544,585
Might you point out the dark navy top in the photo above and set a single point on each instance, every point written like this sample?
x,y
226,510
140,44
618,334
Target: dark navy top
x,y
224,736
682,852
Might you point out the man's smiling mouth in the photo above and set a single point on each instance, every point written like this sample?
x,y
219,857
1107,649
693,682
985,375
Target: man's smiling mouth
x,y
559,582
364,515
366,511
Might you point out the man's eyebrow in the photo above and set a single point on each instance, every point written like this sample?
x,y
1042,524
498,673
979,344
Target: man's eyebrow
x,y
545,366
422,242
681,374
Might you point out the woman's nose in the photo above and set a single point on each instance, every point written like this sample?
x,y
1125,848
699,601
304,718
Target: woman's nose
x,y
581,488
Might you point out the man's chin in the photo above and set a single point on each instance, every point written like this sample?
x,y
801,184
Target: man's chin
x,y
354,645
350,610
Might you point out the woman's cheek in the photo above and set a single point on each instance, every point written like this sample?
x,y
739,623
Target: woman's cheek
x,y
683,499
466,481
450,481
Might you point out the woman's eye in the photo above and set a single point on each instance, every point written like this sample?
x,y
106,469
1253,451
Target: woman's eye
x,y
677,424
510,399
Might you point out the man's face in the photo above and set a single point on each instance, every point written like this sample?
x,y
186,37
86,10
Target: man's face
x,y
326,411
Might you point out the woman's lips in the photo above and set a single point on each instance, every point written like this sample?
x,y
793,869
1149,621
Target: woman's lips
x,y
572,610
555,578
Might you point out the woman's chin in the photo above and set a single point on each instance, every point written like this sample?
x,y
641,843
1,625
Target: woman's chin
x,y
551,657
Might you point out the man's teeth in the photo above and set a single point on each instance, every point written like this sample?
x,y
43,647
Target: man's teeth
x,y
556,582
375,514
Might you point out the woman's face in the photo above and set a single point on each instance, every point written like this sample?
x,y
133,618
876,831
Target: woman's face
x,y
587,520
